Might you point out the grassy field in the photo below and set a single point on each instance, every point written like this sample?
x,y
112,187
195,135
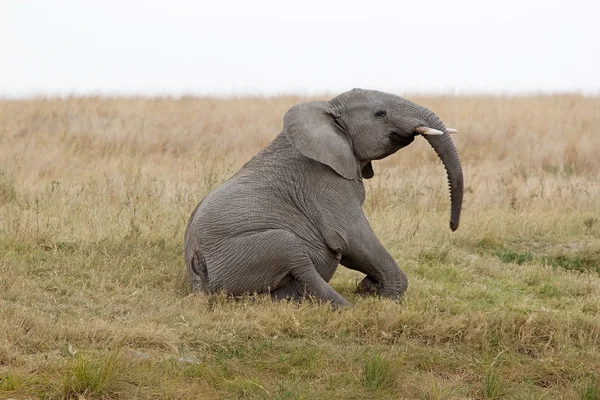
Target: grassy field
x,y
95,194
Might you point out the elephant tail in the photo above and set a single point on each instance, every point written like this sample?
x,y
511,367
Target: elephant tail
x,y
194,260
197,273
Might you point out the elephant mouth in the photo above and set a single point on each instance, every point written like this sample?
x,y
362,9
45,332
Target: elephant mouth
x,y
398,140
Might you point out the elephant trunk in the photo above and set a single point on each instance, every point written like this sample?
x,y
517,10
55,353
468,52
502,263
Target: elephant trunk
x,y
444,147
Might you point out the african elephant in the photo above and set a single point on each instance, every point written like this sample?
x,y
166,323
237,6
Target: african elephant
x,y
290,215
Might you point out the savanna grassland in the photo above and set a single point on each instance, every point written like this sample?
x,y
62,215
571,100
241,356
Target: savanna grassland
x,y
95,194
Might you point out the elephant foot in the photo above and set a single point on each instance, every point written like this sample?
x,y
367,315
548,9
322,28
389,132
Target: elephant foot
x,y
294,291
288,292
367,287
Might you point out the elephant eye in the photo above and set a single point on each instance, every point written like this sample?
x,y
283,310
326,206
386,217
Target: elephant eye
x,y
380,113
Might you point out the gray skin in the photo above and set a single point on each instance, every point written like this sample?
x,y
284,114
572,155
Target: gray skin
x,y
284,221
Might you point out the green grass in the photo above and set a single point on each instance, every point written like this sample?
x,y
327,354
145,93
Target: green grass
x,y
590,390
91,378
9,382
509,256
434,344
475,322
575,262
378,373
579,261
492,386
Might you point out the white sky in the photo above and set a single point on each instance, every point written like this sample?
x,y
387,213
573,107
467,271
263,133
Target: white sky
x,y
229,47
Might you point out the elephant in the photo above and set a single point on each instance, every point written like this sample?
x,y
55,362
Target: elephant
x,y
283,223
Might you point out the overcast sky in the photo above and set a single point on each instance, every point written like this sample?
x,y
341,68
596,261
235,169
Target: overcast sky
x,y
225,47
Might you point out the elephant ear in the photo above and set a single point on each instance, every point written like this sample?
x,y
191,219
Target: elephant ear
x,y
312,130
367,171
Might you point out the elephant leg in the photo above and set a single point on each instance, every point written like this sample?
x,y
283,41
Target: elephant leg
x,y
297,291
290,291
263,260
366,254
369,285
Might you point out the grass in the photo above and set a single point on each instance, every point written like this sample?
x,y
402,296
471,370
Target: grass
x,y
9,382
91,378
95,194
378,373
591,389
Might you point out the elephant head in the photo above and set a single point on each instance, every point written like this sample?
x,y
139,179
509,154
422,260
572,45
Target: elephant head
x,y
359,126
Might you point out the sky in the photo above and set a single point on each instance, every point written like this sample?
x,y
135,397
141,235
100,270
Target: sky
x,y
262,47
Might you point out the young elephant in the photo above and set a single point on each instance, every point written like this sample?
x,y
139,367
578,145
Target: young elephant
x,y
284,222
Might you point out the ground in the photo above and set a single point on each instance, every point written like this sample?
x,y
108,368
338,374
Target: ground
x,y
95,194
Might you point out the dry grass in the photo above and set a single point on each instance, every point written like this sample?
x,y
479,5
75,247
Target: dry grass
x,y
95,194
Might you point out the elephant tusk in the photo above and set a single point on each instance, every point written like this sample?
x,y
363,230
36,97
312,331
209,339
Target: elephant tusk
x,y
423,130
450,130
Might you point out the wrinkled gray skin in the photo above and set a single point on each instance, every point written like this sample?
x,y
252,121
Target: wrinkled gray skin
x,y
283,223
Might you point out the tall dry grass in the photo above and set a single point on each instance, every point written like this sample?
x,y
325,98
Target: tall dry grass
x,y
95,193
